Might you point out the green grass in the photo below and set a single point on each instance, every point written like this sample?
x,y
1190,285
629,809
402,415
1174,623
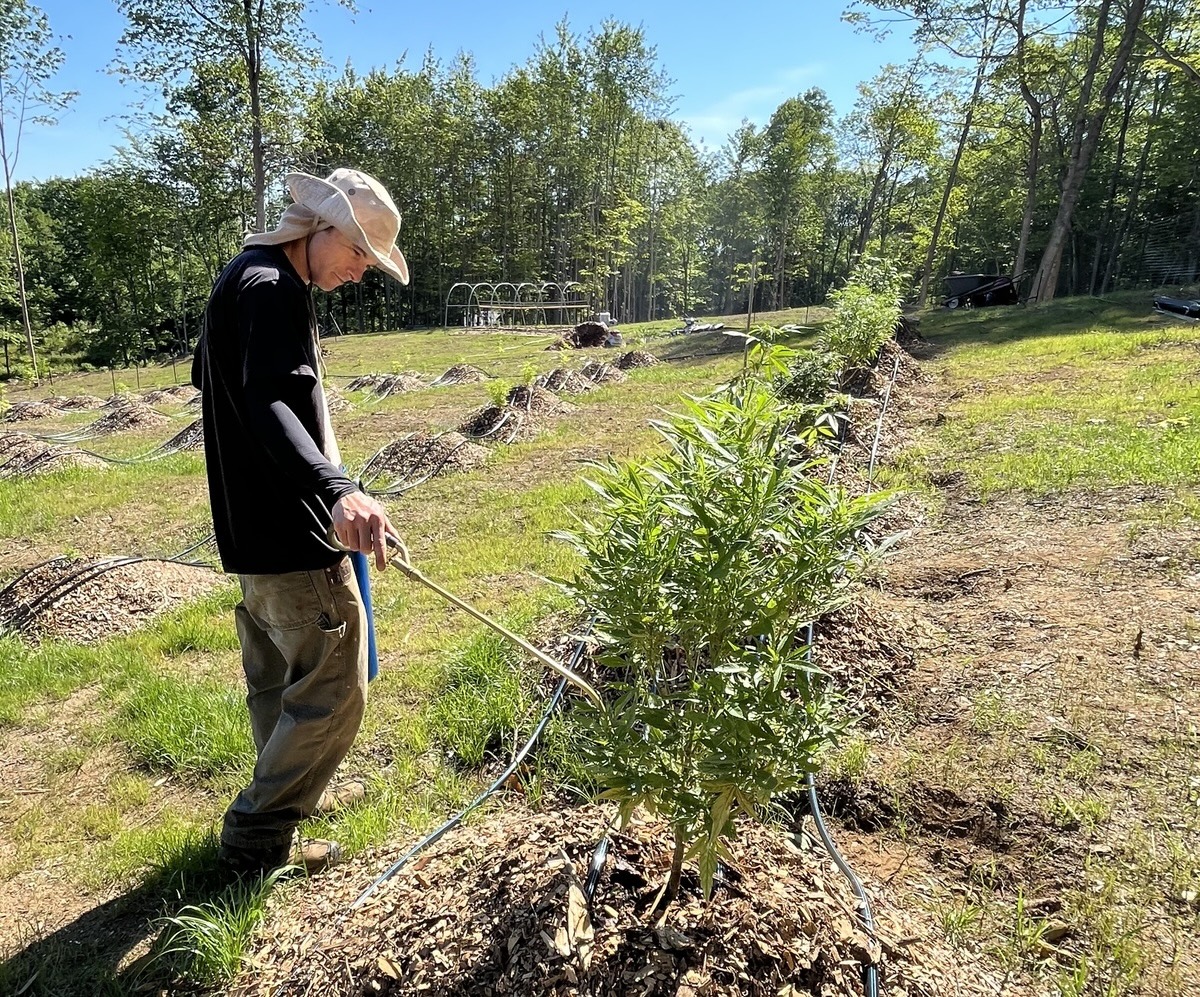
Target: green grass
x,y
1042,405
195,729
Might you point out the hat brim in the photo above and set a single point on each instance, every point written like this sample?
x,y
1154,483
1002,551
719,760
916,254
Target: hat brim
x,y
315,194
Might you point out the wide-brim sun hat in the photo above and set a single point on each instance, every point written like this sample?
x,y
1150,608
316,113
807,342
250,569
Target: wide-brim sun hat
x,y
356,204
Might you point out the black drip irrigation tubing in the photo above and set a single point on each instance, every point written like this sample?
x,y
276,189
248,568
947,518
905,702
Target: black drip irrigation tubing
x,y
434,836
870,971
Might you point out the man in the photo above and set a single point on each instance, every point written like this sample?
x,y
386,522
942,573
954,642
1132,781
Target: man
x,y
279,495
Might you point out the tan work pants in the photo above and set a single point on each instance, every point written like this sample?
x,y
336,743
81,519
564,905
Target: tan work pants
x,y
304,652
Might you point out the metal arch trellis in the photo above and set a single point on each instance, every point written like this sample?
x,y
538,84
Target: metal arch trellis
x,y
517,299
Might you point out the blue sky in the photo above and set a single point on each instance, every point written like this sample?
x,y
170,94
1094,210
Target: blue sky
x,y
728,61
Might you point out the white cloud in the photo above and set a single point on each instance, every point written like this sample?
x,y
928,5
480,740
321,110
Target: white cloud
x,y
715,122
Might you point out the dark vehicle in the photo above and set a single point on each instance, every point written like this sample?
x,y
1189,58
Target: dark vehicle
x,y
977,290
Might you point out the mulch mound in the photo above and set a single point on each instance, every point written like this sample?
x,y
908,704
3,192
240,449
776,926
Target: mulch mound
x,y
586,335
499,424
86,600
157,396
497,908
119,400
191,438
564,379
599,372
424,454
79,403
183,392
867,649
537,401
135,415
396,384
634,359
462,373
336,401
908,370
27,411
365,382
24,456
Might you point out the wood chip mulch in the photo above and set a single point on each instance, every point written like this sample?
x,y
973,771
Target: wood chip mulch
x,y
565,380
397,384
634,359
599,372
499,424
422,453
189,438
336,401
23,456
536,400
28,411
462,373
497,908
868,649
86,600
135,415
82,403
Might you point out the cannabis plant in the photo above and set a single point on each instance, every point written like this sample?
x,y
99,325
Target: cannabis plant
x,y
865,313
702,567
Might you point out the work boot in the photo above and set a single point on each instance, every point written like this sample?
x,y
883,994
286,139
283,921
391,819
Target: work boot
x,y
312,856
315,855
345,794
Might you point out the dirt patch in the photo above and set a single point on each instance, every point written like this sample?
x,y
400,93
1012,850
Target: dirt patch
x,y
423,455
85,600
24,456
599,372
563,379
462,373
497,908
135,415
635,359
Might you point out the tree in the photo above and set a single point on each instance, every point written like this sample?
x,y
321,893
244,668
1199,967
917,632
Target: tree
x,y
1091,109
28,62
167,39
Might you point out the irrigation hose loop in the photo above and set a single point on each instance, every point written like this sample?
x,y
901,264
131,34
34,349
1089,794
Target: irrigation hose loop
x,y
517,759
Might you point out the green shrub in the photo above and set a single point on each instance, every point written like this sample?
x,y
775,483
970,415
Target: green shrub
x,y
811,375
865,313
703,567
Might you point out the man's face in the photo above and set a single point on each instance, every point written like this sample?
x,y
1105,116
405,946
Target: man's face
x,y
334,260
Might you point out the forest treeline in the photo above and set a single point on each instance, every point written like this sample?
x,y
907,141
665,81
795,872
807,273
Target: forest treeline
x,y
1058,140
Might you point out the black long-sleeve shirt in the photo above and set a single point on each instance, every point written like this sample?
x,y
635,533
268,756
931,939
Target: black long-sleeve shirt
x,y
271,487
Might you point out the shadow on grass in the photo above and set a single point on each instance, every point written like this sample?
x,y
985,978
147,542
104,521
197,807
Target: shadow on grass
x,y
98,952
1128,311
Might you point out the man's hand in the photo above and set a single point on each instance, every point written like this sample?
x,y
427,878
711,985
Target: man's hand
x,y
360,523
